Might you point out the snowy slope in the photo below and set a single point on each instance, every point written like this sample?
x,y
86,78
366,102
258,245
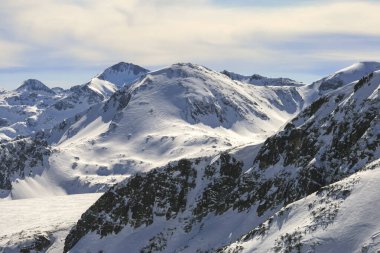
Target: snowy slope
x,y
183,111
203,204
336,80
312,92
23,222
345,76
342,217
102,87
191,95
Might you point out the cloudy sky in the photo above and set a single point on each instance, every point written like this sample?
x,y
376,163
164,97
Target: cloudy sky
x,y
65,42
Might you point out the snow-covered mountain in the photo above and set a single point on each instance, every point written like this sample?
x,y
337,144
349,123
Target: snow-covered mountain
x,y
182,111
204,204
33,106
345,76
29,109
33,85
201,161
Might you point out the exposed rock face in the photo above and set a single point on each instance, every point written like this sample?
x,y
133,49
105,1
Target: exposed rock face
x,y
21,158
158,193
39,244
333,138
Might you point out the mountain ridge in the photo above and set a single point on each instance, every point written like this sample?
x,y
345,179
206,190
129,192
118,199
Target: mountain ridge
x,y
257,79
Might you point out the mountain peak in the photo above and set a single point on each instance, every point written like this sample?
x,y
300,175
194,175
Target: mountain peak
x,y
364,66
122,66
34,85
183,66
122,73
182,70
346,75
186,64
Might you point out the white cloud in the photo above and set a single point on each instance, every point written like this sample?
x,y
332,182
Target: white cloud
x,y
11,54
165,31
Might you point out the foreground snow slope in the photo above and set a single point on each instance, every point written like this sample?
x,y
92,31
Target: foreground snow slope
x,y
22,221
342,217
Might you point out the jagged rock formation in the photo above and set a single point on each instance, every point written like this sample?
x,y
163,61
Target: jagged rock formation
x,y
21,158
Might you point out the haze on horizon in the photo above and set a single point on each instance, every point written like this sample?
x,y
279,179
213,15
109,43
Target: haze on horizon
x,y
64,43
